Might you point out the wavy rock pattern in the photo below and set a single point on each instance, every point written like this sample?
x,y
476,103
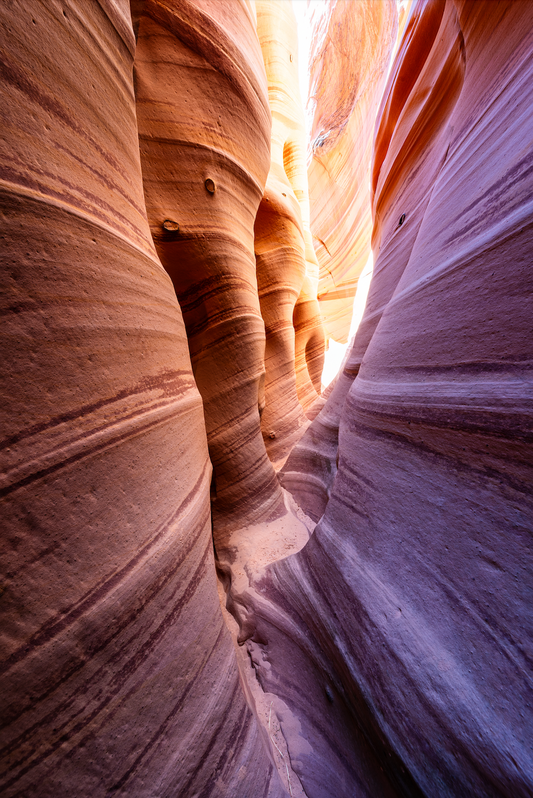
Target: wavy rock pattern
x,y
406,618
283,248
118,673
205,170
425,132
280,274
344,115
397,643
309,344
350,52
309,471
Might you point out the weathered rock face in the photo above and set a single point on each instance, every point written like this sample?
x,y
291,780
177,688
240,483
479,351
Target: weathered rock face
x,y
287,270
407,617
346,87
350,52
118,673
397,643
205,169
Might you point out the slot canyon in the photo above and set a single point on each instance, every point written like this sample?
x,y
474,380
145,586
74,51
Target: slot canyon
x,y
220,577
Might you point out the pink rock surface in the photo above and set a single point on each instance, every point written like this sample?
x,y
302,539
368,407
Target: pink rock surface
x,y
118,673
395,647
413,123
309,343
407,617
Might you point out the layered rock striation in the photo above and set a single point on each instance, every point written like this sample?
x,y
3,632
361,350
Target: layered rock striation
x,y
287,270
118,673
413,121
140,165
406,618
204,127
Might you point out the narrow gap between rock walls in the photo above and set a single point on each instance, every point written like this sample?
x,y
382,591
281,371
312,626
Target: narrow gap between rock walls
x,y
256,547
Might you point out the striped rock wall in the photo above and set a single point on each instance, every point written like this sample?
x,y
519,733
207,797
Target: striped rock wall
x,y
396,645
287,270
406,619
204,127
118,673
347,82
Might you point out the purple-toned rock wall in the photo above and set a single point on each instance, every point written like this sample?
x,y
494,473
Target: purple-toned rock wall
x,y
407,618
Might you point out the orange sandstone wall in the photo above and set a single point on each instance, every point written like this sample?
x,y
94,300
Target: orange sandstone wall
x,y
396,645
204,126
351,47
118,673
287,270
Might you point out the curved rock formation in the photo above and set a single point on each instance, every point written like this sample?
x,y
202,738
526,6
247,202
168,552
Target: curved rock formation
x,y
339,173
284,254
204,171
309,343
350,52
413,122
406,618
310,469
118,673
395,647
280,273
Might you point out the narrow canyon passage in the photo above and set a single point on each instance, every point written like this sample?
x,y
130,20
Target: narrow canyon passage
x,y
219,579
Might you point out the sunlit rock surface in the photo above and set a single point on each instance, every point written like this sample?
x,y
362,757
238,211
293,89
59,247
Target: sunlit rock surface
x,y
350,52
204,126
406,620
118,673
287,270
346,86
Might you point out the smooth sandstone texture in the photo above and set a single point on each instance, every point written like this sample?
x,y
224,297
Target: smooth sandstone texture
x,y
406,619
426,132
280,273
350,53
287,268
203,115
346,87
397,645
309,471
118,673
309,345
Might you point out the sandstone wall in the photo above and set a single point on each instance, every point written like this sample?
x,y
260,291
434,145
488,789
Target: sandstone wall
x,y
396,646
406,619
118,673
287,270
204,126
350,52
